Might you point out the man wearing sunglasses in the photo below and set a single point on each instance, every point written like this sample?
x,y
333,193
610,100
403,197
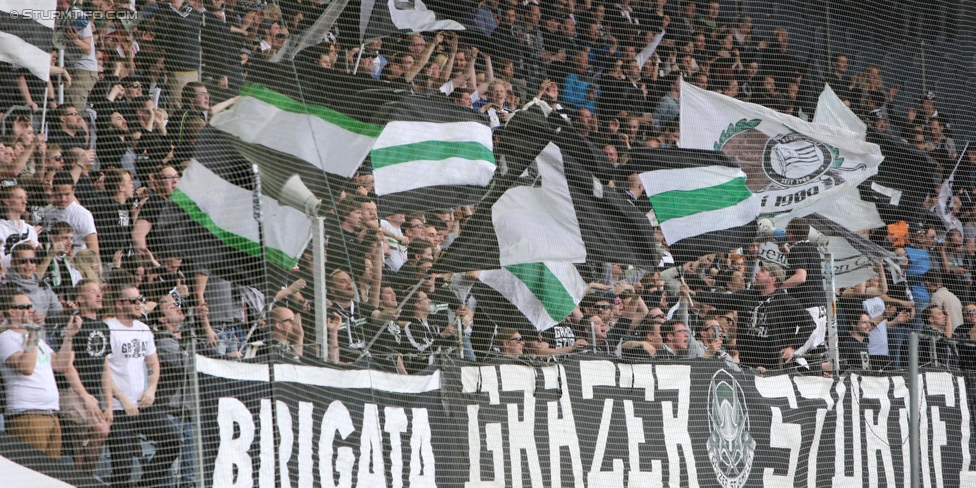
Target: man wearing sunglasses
x,y
28,364
512,343
620,312
650,339
24,277
135,371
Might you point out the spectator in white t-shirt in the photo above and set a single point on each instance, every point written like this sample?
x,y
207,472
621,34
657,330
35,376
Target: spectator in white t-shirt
x,y
28,364
13,229
64,207
134,367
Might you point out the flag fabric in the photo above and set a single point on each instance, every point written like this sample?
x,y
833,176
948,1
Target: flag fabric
x,y
944,206
648,52
544,293
27,40
380,18
266,117
315,34
288,119
545,205
232,238
432,154
832,111
847,208
700,199
789,164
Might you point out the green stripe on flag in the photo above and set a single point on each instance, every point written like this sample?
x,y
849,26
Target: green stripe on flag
x,y
430,151
546,287
288,104
676,204
240,243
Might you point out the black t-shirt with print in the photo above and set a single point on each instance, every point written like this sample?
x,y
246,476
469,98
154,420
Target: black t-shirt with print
x,y
91,345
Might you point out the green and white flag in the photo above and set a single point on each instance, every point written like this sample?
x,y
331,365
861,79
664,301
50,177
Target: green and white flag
x,y
790,164
321,136
693,200
545,293
432,151
226,211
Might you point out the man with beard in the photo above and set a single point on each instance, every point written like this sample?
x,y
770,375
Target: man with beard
x,y
134,367
168,319
348,239
25,278
114,143
778,326
70,132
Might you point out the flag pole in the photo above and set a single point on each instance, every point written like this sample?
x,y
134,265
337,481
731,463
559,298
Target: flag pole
x,y
259,217
47,89
832,352
359,56
319,276
60,78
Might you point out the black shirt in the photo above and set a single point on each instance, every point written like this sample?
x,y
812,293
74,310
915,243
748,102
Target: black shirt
x,y
422,339
559,336
853,353
114,223
91,344
341,242
68,141
776,322
155,212
179,33
810,293
356,331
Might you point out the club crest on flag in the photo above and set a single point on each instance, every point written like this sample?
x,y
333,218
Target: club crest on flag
x,y
782,161
793,166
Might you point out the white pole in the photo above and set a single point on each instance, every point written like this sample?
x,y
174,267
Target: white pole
x,y
830,290
318,262
60,78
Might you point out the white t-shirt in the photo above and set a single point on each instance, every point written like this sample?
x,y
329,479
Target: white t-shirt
x,y
80,219
13,232
130,346
398,253
38,391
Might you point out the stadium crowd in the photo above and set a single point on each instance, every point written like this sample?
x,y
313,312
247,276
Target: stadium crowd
x,y
98,300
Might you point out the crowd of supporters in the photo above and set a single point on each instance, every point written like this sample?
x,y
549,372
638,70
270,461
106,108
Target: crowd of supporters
x,y
88,217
